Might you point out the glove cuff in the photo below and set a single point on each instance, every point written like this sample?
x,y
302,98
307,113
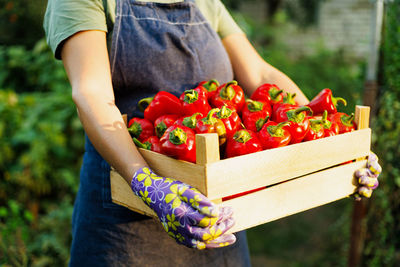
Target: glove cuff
x,y
138,181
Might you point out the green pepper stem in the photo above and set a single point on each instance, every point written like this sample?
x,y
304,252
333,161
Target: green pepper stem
x,y
160,129
274,93
210,119
314,122
336,100
227,92
254,106
191,96
211,85
297,115
177,136
347,120
140,144
242,136
289,98
224,112
276,130
135,129
302,109
260,122
144,103
191,121
325,122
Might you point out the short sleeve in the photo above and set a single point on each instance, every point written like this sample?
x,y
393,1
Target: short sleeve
x,y
226,24
64,18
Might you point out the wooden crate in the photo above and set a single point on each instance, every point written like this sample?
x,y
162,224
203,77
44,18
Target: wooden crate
x,y
294,178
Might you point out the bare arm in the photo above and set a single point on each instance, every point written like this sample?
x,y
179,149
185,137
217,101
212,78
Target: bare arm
x,y
86,62
251,70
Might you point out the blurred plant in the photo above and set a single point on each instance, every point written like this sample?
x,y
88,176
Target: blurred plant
x,y
24,244
14,229
21,21
40,137
383,242
31,70
41,141
303,12
293,241
312,72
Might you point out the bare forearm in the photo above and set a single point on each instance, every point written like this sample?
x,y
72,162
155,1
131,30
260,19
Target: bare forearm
x,y
86,62
106,129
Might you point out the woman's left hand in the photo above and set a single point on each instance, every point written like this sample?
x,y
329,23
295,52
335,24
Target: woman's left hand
x,y
368,177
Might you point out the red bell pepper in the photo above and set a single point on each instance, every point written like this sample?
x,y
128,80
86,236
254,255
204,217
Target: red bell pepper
x,y
255,114
241,143
179,142
299,122
274,135
288,101
211,86
190,121
268,92
330,128
195,100
211,124
161,104
316,130
230,94
325,101
152,143
345,122
162,123
231,120
140,128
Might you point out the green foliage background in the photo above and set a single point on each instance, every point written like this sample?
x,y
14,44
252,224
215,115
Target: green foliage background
x,y
41,143
383,243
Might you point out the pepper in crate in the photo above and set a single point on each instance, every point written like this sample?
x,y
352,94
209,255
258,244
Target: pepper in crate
x,y
179,142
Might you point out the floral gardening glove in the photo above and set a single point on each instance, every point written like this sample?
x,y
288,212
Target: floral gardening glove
x,y
186,215
368,177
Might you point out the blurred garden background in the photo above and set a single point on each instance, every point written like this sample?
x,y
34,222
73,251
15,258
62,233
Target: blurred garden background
x,y
318,43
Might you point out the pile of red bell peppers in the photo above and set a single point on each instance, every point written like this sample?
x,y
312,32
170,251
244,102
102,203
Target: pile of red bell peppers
x,y
270,118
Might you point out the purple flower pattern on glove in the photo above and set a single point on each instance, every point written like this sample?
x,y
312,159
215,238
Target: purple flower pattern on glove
x,y
368,177
185,214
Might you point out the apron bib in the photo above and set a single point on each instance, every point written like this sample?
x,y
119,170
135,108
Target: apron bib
x,y
169,47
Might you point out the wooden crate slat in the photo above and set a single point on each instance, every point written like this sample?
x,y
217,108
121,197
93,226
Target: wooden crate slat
x,y
270,204
184,171
293,196
268,167
121,193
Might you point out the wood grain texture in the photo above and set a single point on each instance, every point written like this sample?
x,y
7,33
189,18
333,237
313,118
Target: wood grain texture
x,y
293,196
207,148
361,116
239,174
121,193
270,204
184,171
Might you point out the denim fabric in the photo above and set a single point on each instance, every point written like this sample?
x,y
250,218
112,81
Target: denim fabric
x,y
169,47
155,47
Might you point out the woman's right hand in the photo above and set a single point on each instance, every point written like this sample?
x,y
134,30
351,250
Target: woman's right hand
x,y
186,215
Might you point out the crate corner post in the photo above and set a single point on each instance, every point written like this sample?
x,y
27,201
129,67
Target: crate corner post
x,y
207,148
361,116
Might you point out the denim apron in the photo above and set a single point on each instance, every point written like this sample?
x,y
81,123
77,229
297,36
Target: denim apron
x,y
169,47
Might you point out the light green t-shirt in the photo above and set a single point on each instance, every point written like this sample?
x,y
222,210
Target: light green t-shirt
x,y
64,18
